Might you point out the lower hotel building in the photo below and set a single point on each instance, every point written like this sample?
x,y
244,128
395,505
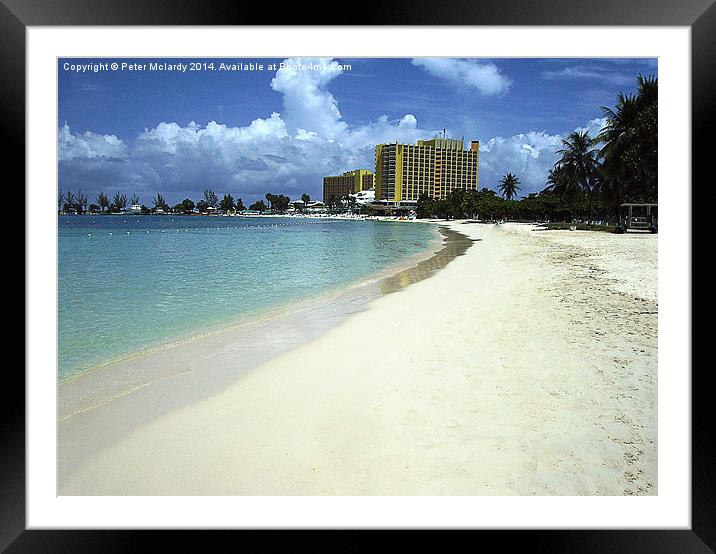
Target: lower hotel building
x,y
404,172
352,182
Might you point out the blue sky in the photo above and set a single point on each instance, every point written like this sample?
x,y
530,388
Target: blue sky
x,y
281,130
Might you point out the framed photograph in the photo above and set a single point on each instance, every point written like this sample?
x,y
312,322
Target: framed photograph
x,y
432,270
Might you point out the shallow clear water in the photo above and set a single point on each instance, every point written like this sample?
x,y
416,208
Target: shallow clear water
x,y
141,281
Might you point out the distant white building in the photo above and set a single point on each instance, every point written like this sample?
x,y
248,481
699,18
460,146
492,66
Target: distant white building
x,y
315,207
135,209
364,197
312,207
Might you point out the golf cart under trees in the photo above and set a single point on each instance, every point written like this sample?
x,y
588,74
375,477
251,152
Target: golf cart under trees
x,y
639,217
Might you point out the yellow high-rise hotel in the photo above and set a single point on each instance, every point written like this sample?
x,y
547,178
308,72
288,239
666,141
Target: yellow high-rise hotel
x,y
403,172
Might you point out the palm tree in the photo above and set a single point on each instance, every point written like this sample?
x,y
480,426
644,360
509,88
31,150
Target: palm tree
x,y
616,137
642,154
508,187
159,202
119,201
69,200
648,89
227,204
555,181
210,198
81,202
619,128
103,201
579,166
305,198
629,141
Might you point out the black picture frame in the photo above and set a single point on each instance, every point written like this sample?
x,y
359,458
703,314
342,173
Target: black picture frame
x,y
16,15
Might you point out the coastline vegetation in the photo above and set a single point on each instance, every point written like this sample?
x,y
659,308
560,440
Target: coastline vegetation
x,y
77,203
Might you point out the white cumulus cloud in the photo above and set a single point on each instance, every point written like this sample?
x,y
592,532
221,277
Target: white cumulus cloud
x,y
486,77
593,127
88,145
409,121
308,104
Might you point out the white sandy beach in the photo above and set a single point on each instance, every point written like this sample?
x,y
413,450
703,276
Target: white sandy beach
x,y
527,366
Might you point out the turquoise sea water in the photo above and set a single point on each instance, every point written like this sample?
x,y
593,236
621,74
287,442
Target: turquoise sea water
x,y
128,283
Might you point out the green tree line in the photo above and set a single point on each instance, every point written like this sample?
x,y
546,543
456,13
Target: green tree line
x,y
70,202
